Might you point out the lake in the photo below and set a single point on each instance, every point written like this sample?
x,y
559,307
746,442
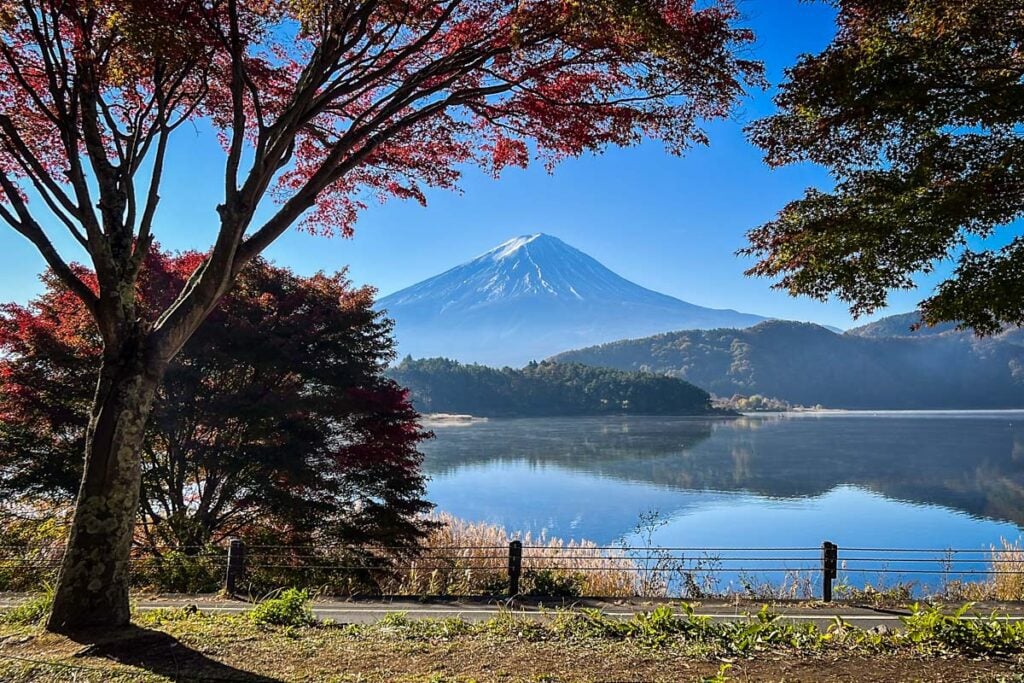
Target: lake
x,y
873,480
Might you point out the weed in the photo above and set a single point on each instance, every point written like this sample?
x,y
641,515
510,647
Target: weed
x,y
876,595
290,608
929,627
721,676
31,612
509,625
398,623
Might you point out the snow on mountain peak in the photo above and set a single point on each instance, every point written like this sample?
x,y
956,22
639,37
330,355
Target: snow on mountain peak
x,y
509,248
532,296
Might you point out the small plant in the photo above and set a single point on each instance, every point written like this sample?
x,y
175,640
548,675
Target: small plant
x,y
878,596
930,627
721,676
290,608
31,612
399,623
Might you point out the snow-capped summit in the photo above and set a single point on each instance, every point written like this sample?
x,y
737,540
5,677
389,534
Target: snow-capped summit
x,y
531,297
507,249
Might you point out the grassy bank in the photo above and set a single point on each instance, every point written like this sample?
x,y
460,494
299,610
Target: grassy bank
x,y
279,641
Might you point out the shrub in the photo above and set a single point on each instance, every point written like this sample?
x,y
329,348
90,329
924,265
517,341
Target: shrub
x,y
30,549
178,572
554,583
290,608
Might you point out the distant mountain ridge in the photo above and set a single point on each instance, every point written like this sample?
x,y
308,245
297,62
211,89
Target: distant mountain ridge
x,y
807,364
531,297
900,325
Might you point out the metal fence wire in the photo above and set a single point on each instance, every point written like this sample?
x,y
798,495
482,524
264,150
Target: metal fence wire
x,y
818,564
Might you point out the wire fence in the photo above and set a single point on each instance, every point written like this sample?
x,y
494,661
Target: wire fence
x,y
584,570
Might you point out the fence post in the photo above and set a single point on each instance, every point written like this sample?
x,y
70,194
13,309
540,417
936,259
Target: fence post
x,y
829,568
515,567
236,564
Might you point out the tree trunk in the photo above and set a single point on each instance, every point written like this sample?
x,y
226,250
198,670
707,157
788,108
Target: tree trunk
x,y
92,588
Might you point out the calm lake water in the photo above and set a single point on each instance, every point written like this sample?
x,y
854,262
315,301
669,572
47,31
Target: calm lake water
x,y
907,480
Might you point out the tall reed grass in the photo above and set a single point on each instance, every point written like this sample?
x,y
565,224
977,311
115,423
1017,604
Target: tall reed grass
x,y
466,558
1007,585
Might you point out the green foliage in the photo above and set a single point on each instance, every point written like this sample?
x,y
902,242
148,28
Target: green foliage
x,y
796,362
439,385
31,612
290,608
926,631
915,110
178,572
31,548
554,583
721,676
895,595
930,627
284,383
650,628
424,629
766,630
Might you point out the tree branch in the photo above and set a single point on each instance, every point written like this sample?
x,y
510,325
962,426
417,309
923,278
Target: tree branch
x,y
28,228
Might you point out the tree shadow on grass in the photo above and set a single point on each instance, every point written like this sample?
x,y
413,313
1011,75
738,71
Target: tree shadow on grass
x,y
162,654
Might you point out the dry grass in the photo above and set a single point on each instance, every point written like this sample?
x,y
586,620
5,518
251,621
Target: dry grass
x,y
1007,586
1008,558
472,558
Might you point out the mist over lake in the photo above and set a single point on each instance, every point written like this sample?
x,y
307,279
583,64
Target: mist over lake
x,y
891,479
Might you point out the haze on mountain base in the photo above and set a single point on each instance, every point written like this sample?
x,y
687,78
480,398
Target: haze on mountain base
x,y
883,365
532,297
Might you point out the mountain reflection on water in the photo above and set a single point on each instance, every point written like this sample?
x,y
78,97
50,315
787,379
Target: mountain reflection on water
x,y
591,477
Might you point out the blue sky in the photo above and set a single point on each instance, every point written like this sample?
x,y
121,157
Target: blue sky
x,y
671,224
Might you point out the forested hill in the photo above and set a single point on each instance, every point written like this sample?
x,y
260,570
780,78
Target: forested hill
x,y
439,385
900,326
807,364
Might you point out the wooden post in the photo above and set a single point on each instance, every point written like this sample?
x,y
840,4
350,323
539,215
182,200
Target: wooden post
x,y
515,567
236,565
829,568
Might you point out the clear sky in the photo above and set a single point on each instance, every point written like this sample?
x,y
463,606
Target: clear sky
x,y
671,224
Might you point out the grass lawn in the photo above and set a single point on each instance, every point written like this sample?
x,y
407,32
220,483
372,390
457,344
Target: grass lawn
x,y
282,644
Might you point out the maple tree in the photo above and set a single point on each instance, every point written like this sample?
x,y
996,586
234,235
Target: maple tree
x,y
276,413
320,106
916,109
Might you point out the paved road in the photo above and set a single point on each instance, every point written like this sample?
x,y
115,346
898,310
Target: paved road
x,y
369,611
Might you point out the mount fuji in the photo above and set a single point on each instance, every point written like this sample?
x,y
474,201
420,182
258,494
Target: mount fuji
x,y
532,297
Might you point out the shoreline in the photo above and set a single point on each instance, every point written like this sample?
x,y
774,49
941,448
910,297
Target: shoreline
x,y
451,419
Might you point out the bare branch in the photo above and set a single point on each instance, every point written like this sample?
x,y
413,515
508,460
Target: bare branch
x,y
30,229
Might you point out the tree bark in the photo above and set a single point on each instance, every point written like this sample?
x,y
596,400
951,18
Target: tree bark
x,y
92,587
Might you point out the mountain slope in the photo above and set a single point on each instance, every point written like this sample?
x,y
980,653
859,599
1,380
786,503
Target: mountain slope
x,y
531,297
900,326
809,365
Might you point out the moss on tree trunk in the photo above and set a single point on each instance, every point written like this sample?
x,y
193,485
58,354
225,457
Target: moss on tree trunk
x,y
92,587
